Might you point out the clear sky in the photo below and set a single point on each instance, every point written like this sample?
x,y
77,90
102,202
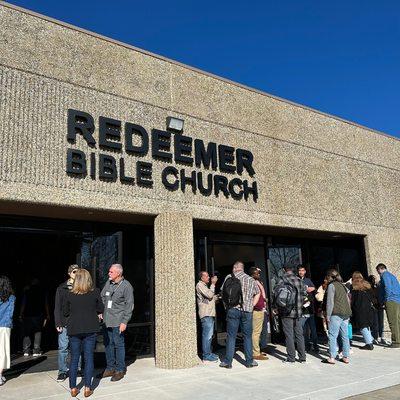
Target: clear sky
x,y
341,57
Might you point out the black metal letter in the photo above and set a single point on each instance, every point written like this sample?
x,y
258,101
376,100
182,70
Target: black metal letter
x,y
183,149
107,168
132,129
76,162
221,184
93,165
204,191
82,123
203,156
236,182
110,133
226,158
244,159
122,177
161,145
164,177
188,181
144,174
250,190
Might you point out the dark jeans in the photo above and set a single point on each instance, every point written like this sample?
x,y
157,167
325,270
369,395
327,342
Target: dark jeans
x,y
85,342
207,327
377,326
234,319
293,330
308,322
32,326
114,343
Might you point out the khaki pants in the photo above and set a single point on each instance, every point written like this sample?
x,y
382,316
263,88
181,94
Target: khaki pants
x,y
393,316
258,321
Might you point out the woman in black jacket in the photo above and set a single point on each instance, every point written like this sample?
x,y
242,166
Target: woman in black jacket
x,y
362,299
84,307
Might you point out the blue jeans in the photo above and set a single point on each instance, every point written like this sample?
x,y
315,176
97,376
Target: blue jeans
x,y
87,343
338,326
308,321
114,343
63,342
207,327
367,336
234,319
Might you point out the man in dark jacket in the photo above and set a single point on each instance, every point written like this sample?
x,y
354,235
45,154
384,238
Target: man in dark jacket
x,y
291,321
61,322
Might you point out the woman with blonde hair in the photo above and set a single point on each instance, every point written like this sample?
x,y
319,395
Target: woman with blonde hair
x,y
362,303
84,308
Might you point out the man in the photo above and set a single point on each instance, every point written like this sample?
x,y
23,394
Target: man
x,y
34,315
258,315
239,313
307,318
117,296
291,315
206,303
389,294
61,323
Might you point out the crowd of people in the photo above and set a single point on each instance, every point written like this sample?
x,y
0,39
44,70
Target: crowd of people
x,y
343,306
81,312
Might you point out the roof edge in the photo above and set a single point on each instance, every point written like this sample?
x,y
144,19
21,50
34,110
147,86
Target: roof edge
x,y
194,69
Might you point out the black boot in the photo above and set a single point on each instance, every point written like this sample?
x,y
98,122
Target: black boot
x,y
367,347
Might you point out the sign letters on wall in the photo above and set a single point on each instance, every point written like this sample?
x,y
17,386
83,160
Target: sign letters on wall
x,y
131,140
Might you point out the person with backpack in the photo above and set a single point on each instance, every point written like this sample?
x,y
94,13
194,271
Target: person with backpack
x,y
289,296
240,293
338,313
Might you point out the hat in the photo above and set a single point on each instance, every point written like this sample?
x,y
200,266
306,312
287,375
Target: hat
x,y
72,267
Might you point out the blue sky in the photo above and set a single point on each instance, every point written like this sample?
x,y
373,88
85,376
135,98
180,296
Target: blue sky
x,y
340,57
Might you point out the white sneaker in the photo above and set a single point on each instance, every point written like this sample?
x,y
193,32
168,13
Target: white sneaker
x,y
3,379
384,341
37,353
26,354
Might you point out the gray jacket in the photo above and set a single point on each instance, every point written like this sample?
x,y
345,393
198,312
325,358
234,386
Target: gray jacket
x,y
118,303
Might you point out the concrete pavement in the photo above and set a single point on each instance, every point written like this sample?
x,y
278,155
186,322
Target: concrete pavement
x,y
368,371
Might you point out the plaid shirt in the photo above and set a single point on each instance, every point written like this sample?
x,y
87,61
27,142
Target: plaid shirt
x,y
301,294
249,290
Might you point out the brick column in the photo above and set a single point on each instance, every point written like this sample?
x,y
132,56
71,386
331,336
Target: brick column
x,y
175,308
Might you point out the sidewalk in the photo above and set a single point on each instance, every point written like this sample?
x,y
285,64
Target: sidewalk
x,y
368,371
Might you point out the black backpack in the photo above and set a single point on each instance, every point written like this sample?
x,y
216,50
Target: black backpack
x,y
285,297
232,292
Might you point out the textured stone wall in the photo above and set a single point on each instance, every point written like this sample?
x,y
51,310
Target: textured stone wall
x,y
175,309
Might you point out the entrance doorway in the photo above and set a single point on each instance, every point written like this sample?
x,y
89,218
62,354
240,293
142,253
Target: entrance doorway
x,y
42,249
216,252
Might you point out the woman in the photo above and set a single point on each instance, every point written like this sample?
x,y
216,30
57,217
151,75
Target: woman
x,y
338,312
7,303
362,300
84,308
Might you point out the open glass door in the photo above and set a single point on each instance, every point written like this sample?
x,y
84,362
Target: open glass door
x,y
98,253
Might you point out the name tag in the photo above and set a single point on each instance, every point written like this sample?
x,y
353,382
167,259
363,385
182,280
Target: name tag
x,y
109,303
107,293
